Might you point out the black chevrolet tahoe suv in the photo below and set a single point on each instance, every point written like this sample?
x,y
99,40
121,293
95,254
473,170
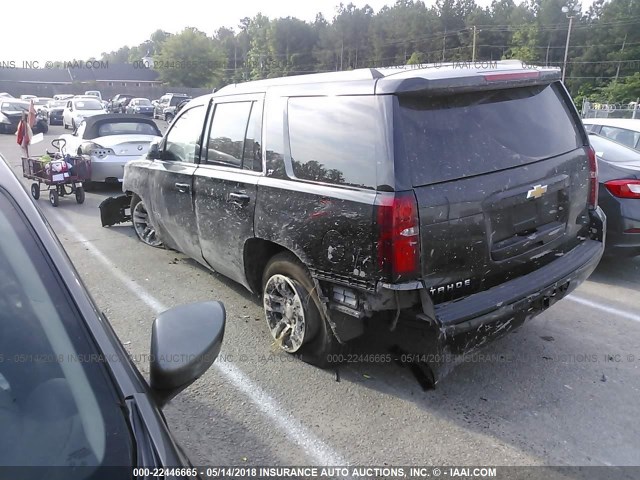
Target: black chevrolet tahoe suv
x,y
458,198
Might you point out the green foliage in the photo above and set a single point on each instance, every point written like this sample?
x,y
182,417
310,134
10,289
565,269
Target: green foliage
x,y
623,91
604,42
190,59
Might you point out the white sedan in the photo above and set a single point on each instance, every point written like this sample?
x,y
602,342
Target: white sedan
x,y
78,109
111,140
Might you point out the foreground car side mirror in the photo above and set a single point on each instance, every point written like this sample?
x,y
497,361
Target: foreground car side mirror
x,y
154,151
185,341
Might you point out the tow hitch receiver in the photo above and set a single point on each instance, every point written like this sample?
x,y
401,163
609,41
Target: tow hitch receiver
x,y
115,210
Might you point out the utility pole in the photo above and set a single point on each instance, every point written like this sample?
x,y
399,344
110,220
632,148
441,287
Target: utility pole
x,y
473,51
566,11
546,58
621,50
444,44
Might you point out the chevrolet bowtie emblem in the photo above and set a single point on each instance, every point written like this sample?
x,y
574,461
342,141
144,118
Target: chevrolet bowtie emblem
x,y
537,191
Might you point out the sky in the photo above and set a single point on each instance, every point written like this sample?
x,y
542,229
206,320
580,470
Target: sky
x,y
80,29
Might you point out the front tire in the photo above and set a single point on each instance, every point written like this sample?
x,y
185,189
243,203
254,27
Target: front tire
x,y
293,311
80,195
35,191
142,224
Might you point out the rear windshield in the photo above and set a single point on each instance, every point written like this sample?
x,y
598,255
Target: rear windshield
x,y
451,137
128,128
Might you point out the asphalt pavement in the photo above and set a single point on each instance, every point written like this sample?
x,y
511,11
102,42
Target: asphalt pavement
x,y
564,389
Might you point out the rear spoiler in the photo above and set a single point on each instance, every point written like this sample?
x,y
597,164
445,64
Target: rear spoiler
x,y
467,82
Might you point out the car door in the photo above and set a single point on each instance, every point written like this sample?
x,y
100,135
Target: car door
x,y
171,183
225,185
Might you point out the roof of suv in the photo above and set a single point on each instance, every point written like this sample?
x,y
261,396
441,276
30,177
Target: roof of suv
x,y
407,78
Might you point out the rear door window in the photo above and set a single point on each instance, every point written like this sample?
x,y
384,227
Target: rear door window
x,y
235,135
451,137
227,133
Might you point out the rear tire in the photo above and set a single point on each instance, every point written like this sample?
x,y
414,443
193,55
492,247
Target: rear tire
x,y
293,311
169,119
53,198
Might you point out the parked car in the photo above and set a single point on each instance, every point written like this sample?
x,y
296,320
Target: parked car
x,y
55,109
6,95
179,107
78,109
69,394
94,93
623,130
111,140
118,103
463,201
140,106
63,96
619,192
42,103
27,97
165,109
11,110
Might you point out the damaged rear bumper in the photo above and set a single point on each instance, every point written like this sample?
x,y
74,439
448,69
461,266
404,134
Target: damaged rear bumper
x,y
465,325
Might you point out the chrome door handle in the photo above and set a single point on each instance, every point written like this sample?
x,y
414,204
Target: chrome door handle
x,y
240,199
183,187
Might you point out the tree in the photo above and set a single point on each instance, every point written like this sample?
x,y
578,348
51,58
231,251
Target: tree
x,y
623,91
190,59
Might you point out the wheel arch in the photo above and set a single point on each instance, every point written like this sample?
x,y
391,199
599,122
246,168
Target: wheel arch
x,y
256,256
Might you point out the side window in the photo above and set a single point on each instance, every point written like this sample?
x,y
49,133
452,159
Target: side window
x,y
621,135
182,143
252,155
226,137
335,139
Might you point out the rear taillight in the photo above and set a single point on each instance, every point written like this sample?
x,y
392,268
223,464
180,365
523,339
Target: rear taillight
x,y
398,235
624,188
593,178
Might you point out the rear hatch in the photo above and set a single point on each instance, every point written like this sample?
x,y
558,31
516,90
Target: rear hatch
x,y
501,178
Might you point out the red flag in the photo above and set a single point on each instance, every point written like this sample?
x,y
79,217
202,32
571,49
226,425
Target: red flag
x,y
32,114
24,135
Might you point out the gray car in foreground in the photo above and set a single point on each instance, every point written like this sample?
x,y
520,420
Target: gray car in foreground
x,y
72,404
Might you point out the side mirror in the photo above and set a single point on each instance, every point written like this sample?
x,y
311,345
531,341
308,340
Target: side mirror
x,y
185,341
154,151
